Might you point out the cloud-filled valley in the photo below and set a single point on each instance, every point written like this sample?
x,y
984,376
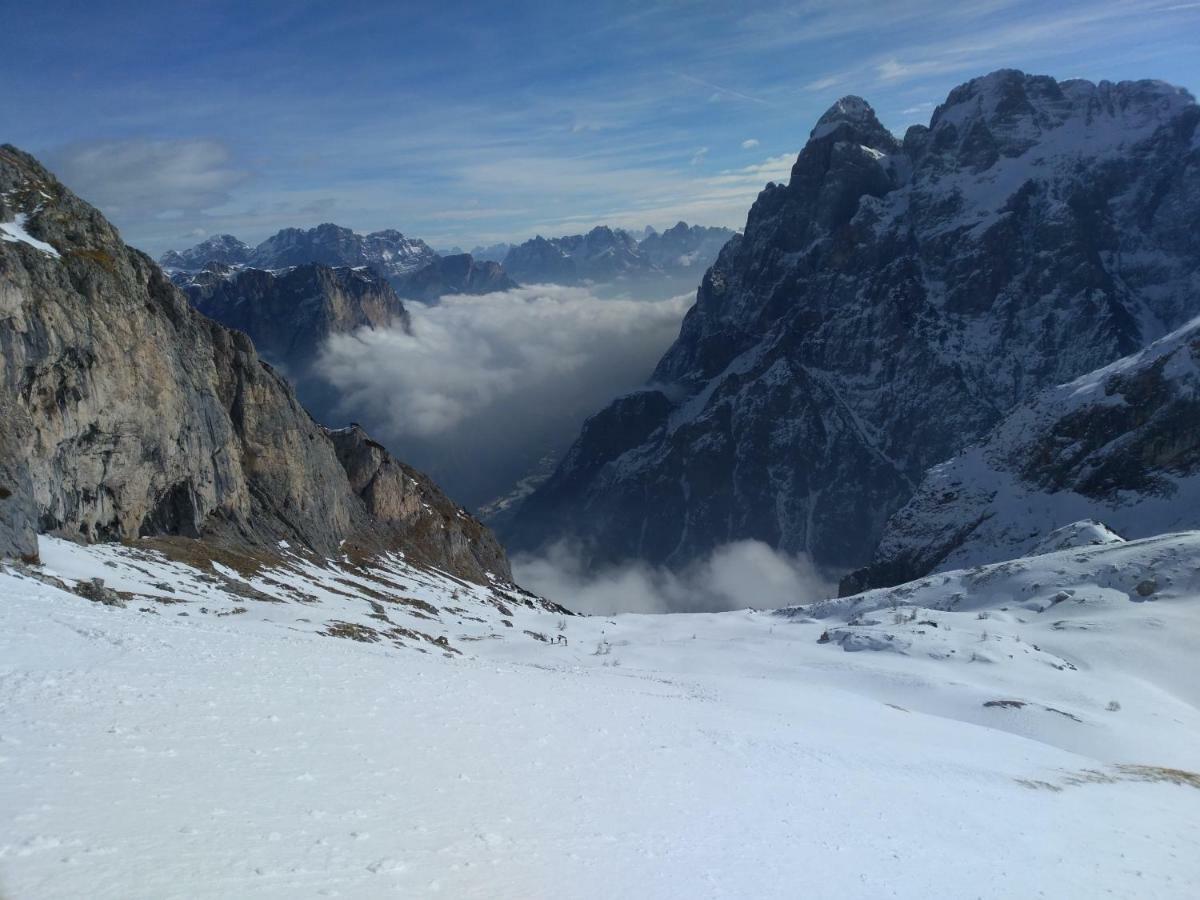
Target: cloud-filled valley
x,y
482,387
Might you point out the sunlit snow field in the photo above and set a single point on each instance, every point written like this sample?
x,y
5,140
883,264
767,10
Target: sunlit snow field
x,y
148,754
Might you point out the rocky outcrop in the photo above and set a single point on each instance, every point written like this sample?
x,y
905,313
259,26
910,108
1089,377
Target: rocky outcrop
x,y
1119,446
409,504
289,313
131,414
18,512
887,306
457,274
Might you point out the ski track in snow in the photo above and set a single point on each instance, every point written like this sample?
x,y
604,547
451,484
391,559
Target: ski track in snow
x,y
154,755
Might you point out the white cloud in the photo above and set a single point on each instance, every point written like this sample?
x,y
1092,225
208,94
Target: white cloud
x,y
823,84
698,156
485,385
149,178
749,144
734,576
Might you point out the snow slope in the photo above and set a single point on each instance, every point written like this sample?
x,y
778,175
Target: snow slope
x,y
1120,445
149,754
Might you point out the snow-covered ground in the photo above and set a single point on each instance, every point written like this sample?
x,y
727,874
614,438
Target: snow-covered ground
x,y
1000,734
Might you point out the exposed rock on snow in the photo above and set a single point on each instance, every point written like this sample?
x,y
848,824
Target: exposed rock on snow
x,y
1120,445
1086,533
283,718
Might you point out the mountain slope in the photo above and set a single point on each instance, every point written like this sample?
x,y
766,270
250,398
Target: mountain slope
x,y
1034,722
1120,445
142,417
885,307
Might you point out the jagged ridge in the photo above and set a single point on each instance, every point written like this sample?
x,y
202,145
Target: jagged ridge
x,y
886,306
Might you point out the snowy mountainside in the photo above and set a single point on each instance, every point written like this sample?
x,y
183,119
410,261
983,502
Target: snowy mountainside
x,y
1120,445
387,599
885,307
224,249
1034,721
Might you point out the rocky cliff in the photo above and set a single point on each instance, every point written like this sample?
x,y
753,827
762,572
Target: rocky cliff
x,y
1120,446
289,313
885,307
127,413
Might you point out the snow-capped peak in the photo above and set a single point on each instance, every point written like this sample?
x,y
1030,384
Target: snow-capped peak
x,y
849,109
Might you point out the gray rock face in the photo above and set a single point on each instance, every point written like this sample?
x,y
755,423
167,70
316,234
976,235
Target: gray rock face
x,y
457,274
131,414
289,313
224,249
1120,446
18,513
887,306
410,505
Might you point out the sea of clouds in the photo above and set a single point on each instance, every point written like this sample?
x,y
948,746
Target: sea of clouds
x,y
482,387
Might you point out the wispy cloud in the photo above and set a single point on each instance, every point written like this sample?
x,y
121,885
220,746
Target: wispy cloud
x,y
159,179
749,144
337,124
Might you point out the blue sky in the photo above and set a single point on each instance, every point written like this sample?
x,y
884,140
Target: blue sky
x,y
473,122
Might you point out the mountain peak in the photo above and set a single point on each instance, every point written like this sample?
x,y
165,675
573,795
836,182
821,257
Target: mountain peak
x,y
850,109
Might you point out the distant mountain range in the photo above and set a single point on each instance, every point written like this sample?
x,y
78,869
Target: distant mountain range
x,y
603,255
609,254
888,306
389,252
